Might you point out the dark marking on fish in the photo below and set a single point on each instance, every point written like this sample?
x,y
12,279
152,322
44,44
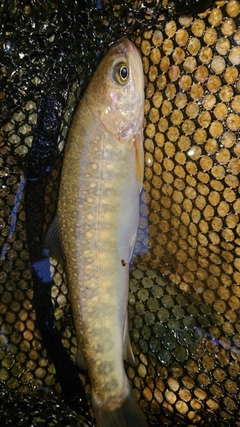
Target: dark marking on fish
x,y
123,262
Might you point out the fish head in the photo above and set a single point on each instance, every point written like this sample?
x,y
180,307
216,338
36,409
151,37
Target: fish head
x,y
116,92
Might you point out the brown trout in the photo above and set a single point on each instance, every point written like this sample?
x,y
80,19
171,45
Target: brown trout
x,y
97,221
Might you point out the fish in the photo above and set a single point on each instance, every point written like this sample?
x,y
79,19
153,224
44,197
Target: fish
x,y
96,224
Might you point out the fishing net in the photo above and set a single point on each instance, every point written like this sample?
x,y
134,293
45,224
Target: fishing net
x,y
184,290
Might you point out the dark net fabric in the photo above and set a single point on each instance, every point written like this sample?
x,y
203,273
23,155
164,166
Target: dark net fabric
x,y
184,299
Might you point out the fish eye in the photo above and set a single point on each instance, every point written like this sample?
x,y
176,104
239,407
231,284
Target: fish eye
x,y
121,73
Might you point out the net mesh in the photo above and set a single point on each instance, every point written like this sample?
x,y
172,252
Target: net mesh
x,y
184,293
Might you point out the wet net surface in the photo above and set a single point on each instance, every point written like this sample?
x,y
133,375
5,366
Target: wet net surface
x,y
184,294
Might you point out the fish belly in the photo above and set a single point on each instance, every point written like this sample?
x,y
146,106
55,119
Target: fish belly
x,y
98,215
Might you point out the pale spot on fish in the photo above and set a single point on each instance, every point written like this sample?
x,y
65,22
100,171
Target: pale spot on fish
x,y
108,184
108,324
110,166
86,252
105,265
105,201
94,166
101,255
107,215
89,234
104,234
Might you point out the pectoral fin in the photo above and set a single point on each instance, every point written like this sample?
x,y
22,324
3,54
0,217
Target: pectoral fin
x,y
52,243
138,144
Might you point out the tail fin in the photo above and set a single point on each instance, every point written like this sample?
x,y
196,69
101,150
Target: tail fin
x,y
127,415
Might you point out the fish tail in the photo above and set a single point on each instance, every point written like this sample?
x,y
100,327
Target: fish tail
x,y
127,415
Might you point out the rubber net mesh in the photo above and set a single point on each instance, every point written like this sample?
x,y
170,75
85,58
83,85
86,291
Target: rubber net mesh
x,y
184,300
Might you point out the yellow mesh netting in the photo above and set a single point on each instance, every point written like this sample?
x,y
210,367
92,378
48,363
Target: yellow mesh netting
x,y
184,293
